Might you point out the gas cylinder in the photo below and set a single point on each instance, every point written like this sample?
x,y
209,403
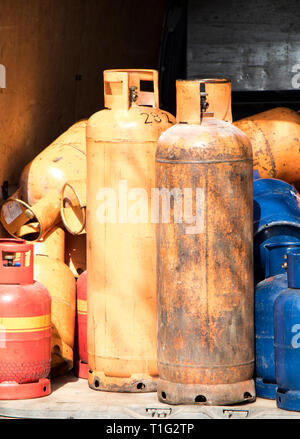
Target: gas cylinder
x,y
37,200
275,139
266,293
81,366
287,336
51,271
25,325
121,245
276,219
205,297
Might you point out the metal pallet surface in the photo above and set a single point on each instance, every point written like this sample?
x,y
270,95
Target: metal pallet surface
x,y
71,398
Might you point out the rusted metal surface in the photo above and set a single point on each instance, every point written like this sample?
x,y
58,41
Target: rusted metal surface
x,y
138,383
121,256
205,277
275,139
206,394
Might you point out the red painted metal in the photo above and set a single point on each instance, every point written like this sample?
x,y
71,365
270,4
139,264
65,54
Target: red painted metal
x,y
81,367
25,325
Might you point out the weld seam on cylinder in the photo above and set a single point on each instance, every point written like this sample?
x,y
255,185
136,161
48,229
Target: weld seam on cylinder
x,y
74,147
179,162
206,263
206,81
213,366
268,148
122,358
277,223
120,141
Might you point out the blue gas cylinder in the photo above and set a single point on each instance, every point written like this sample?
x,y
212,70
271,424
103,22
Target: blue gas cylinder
x,y
276,218
287,337
266,293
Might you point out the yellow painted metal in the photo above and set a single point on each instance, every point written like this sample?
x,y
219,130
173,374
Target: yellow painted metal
x,y
25,324
37,201
275,139
51,270
60,282
121,256
52,244
73,206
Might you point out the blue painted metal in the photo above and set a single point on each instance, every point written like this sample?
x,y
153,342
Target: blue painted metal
x,y
266,293
287,337
274,254
276,220
256,175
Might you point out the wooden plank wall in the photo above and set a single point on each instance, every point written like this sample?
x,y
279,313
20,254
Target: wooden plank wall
x,y
254,43
53,53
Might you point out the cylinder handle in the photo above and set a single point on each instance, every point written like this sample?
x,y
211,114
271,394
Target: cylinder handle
x,y
124,87
20,272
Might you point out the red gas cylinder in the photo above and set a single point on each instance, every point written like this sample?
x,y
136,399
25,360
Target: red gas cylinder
x,y
25,325
81,368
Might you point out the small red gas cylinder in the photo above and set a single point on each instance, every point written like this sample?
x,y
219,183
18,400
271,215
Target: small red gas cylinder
x,y
81,368
25,325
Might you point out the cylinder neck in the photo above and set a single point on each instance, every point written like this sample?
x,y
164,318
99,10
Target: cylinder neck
x,y
125,88
195,96
293,268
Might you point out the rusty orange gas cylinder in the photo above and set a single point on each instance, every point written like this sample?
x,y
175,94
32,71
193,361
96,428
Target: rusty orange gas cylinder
x,y
121,252
25,325
81,367
275,139
204,260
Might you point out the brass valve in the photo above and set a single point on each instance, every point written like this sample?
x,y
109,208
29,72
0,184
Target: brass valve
x,y
132,94
284,265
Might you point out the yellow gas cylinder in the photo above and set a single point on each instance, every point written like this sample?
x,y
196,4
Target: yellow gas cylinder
x,y
275,139
49,268
121,243
37,200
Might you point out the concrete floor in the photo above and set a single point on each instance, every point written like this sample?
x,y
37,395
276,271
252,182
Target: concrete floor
x,y
72,398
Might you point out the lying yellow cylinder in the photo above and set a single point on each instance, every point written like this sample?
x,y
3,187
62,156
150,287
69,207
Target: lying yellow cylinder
x,y
37,201
121,246
275,139
52,245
